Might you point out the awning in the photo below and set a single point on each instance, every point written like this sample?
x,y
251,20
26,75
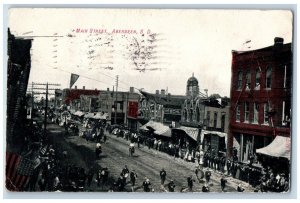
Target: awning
x,y
79,113
280,147
192,132
89,115
159,128
206,132
101,116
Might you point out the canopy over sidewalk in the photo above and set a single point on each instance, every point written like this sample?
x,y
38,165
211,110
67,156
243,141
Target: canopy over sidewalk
x,y
158,128
101,116
280,147
191,132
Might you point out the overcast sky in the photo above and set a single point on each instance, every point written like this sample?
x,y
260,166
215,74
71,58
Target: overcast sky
x,y
174,44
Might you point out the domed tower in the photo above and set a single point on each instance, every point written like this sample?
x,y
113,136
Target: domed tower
x,y
192,87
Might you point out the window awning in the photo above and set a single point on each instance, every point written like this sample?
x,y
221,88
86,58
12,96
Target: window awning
x,y
79,113
206,132
191,132
159,128
101,116
280,147
89,115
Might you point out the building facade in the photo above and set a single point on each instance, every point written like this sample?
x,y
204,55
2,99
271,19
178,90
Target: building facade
x,y
18,70
260,98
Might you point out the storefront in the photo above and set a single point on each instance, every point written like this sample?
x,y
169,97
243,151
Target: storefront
x,y
214,141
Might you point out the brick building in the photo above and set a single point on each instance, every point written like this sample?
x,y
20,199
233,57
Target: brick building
x,y
260,98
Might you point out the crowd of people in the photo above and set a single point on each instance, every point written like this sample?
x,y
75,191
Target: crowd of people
x,y
209,160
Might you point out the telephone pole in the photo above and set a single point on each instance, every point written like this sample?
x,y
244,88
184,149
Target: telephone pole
x,y
46,88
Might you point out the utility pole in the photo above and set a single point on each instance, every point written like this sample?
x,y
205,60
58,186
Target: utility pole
x,y
46,93
46,109
117,81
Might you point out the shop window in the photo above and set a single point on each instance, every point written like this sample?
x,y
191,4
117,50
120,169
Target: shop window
x,y
269,77
238,113
257,79
240,80
255,112
246,118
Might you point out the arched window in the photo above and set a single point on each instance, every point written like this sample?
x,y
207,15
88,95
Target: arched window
x,y
257,79
240,79
191,115
269,77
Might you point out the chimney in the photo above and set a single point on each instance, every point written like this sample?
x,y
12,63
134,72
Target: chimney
x,y
131,90
75,87
157,92
163,92
83,87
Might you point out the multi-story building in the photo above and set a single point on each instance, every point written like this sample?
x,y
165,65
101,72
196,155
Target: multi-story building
x,y
260,98
71,97
204,119
18,70
119,106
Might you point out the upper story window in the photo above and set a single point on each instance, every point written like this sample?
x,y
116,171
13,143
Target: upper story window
x,y
246,118
255,112
268,77
208,118
240,80
215,119
257,79
266,113
238,113
248,80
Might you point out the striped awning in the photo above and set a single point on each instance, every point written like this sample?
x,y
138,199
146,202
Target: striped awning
x,y
191,132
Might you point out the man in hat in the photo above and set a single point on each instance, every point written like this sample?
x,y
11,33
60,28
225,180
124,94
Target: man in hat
x,y
171,186
147,185
223,183
133,177
163,175
207,176
190,181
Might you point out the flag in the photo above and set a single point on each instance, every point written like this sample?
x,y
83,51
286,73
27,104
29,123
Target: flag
x,y
18,172
74,78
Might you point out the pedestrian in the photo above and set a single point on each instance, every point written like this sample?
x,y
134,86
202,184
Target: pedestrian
x,y
42,184
199,173
104,138
190,181
207,176
147,185
90,176
205,188
121,182
133,177
163,175
223,183
171,186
